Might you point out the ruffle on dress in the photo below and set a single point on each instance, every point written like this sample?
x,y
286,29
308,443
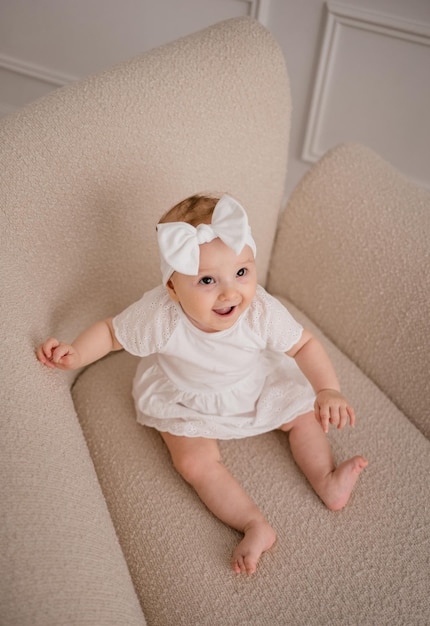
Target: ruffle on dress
x,y
265,400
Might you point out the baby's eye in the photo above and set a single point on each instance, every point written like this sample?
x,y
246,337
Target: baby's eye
x,y
206,280
242,272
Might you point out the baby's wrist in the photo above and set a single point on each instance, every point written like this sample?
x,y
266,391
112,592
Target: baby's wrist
x,y
328,390
74,358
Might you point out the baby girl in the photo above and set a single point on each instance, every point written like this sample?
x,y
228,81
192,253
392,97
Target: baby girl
x,y
222,359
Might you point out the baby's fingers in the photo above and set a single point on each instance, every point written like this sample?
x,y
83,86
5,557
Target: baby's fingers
x,y
55,354
343,417
351,414
45,350
60,354
345,414
322,413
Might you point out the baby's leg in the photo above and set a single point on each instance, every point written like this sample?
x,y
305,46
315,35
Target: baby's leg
x,y
312,453
199,463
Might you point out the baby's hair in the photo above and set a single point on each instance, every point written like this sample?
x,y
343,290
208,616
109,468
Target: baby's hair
x,y
194,210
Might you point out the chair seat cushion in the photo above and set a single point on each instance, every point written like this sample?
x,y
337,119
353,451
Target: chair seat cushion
x,y
366,564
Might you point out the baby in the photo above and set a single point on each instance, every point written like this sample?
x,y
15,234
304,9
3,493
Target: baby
x,y
222,359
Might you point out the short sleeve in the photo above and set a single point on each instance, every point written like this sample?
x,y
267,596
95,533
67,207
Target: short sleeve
x,y
146,326
273,322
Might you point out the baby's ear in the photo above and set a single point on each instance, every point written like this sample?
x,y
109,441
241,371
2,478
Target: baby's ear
x,y
171,291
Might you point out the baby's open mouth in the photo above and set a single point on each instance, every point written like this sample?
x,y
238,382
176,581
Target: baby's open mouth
x,y
224,311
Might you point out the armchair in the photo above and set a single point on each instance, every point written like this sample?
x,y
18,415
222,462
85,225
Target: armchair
x,y
96,525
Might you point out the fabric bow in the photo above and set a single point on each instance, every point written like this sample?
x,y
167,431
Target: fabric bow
x,y
179,241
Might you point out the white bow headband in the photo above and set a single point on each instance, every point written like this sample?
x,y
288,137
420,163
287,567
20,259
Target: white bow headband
x,y
179,241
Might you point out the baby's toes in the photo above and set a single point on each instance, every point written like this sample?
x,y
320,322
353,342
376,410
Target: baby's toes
x,y
243,564
250,565
237,564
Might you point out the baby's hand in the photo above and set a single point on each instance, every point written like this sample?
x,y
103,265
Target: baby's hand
x,y
332,408
55,354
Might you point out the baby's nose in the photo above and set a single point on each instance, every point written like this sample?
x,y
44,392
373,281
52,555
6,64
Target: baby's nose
x,y
227,292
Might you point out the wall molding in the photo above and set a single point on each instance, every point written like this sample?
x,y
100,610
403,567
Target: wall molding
x,y
339,16
259,9
37,72
31,71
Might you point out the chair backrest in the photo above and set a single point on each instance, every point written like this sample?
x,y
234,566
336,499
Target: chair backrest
x,y
87,171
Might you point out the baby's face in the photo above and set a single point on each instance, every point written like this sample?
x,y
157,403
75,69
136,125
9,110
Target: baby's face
x,y
223,289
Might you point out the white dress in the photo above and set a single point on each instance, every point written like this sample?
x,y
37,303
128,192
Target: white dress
x,y
224,385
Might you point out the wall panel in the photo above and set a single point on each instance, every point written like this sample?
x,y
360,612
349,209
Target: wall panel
x,y
373,86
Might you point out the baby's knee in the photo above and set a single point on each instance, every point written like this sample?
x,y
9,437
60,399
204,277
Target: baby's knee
x,y
192,467
188,467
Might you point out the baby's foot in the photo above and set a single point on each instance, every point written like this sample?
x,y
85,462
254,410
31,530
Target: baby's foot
x,y
259,537
340,483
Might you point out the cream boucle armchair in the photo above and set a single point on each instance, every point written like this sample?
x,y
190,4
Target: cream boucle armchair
x,y
96,526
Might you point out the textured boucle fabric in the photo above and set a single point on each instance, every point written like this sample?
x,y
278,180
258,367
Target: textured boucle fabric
x,y
85,174
353,253
60,559
368,564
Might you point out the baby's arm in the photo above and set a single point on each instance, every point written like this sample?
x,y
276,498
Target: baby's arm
x,y
91,345
330,405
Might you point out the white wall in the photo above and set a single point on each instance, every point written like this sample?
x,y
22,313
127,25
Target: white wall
x,y
354,75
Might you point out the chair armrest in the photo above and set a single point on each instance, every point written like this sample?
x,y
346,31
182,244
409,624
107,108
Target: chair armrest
x,y
352,253
60,561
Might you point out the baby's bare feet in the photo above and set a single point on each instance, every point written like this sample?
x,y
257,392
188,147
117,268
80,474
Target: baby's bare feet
x,y
339,484
259,537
